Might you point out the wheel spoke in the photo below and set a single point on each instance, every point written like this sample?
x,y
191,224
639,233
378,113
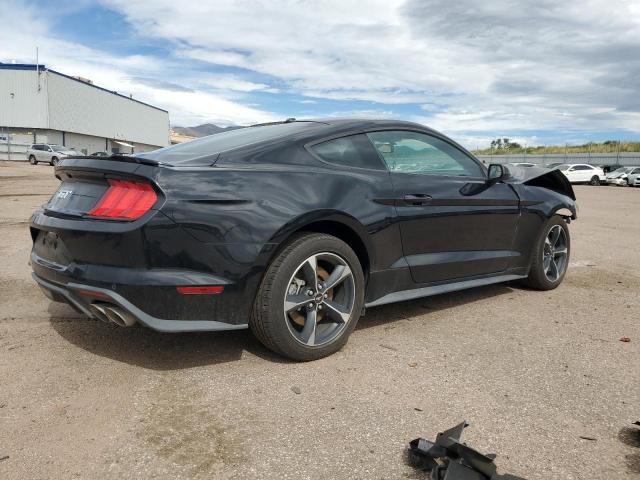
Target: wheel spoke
x,y
560,252
546,262
554,235
308,333
310,271
553,270
295,301
337,312
339,274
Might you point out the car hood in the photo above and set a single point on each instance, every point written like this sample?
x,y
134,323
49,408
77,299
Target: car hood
x,y
540,177
617,175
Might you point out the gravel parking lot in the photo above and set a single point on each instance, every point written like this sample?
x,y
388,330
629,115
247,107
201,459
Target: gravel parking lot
x,y
542,377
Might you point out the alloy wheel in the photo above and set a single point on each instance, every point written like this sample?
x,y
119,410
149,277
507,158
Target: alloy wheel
x,y
555,253
319,299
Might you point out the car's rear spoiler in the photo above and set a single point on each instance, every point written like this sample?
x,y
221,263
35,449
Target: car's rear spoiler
x,y
118,158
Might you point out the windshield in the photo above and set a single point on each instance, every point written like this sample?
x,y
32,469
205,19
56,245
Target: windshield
x,y
221,142
622,170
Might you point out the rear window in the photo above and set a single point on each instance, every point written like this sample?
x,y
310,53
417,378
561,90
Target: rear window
x,y
221,142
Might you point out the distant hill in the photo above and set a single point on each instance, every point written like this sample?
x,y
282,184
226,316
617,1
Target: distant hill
x,y
610,146
202,130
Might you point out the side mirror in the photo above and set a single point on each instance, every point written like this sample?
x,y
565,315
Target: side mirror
x,y
496,172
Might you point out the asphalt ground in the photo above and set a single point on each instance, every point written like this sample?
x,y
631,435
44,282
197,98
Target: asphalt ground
x,y
542,377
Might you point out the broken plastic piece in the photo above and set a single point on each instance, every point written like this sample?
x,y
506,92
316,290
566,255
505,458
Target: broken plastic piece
x,y
449,459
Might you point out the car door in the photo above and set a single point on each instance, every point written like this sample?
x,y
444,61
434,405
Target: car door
x,y
572,174
37,152
587,172
48,153
453,224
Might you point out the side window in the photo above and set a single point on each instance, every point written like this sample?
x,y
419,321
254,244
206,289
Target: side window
x,y
636,171
413,152
351,151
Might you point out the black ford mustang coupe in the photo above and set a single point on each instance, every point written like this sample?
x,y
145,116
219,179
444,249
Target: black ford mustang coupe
x,y
293,228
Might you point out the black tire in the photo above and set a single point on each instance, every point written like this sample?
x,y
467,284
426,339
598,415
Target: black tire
x,y
32,160
595,180
54,161
268,321
538,278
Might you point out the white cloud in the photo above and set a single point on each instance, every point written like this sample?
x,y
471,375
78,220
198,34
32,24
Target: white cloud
x,y
140,76
477,68
516,65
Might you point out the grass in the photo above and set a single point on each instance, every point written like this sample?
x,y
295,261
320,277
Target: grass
x,y
605,147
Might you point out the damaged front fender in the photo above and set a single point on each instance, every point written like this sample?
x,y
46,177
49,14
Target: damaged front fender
x,y
553,180
544,189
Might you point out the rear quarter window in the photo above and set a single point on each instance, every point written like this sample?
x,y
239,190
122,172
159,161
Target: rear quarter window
x,y
351,151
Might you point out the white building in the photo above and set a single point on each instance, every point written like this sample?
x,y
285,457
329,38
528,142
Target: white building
x,y
38,105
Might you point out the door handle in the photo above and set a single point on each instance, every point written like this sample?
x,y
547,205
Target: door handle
x,y
416,199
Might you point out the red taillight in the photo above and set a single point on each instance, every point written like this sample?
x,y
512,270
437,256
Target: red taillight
x,y
125,200
201,290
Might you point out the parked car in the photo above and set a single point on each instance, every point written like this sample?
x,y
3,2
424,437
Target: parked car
x,y
48,153
523,164
620,176
633,177
583,173
291,229
608,168
100,154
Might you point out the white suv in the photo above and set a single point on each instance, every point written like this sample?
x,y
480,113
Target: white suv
x,y
583,173
49,153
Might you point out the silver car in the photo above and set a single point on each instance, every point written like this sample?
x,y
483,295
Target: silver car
x,y
620,176
48,153
633,177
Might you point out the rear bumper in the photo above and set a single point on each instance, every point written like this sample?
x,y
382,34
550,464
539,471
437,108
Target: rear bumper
x,y
79,295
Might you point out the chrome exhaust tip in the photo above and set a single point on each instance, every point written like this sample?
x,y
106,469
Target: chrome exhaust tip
x,y
119,316
99,312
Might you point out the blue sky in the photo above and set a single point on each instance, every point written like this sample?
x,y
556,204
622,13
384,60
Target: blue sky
x,y
540,72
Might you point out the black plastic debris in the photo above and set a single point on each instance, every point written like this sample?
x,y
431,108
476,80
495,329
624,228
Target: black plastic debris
x,y
449,459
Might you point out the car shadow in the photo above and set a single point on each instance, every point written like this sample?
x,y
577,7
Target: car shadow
x,y
153,350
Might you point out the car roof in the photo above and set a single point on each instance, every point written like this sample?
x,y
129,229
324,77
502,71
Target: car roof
x,y
303,132
367,123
